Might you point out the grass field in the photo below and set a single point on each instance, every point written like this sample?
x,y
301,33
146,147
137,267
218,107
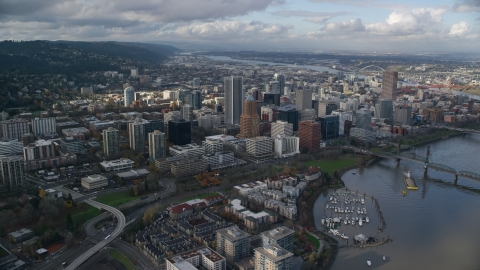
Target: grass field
x,y
88,213
119,257
201,196
330,166
313,240
116,199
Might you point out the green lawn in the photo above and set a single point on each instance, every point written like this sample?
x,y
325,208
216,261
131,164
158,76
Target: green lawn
x,y
313,240
83,216
201,196
276,169
119,257
116,199
330,166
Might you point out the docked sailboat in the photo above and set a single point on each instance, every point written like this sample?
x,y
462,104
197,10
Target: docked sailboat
x,y
409,182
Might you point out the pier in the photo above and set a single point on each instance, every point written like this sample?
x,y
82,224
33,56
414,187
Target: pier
x,y
372,241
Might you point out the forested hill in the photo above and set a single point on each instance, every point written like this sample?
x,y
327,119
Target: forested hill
x,y
70,57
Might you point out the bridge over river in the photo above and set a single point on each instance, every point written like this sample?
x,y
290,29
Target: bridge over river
x,y
397,156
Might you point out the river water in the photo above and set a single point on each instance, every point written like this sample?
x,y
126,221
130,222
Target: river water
x,y
317,68
435,227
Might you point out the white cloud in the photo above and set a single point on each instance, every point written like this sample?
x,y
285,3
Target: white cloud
x,y
345,26
231,31
459,29
468,6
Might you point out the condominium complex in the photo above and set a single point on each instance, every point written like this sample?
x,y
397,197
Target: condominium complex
x,y
111,143
273,257
310,136
15,128
44,125
281,127
198,258
12,171
233,244
136,134
281,236
157,145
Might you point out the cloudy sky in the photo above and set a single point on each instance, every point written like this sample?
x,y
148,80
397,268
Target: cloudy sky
x,y
362,25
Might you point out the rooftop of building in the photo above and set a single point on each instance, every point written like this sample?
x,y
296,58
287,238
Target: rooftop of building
x,y
233,233
207,252
274,252
94,178
122,161
133,173
278,232
289,107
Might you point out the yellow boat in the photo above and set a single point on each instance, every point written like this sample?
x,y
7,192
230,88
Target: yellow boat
x,y
409,182
404,192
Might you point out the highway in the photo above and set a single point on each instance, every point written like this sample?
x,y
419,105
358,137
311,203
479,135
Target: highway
x,y
97,236
118,230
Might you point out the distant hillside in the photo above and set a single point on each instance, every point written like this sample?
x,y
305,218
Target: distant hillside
x,y
70,57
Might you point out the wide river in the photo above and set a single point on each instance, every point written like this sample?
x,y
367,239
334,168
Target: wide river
x,y
435,227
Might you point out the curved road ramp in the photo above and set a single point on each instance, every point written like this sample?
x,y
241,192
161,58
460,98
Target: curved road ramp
x,y
120,226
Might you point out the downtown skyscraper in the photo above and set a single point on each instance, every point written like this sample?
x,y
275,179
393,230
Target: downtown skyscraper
x,y
389,85
234,97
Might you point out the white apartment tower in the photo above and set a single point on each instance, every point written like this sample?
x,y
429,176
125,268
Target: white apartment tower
x,y
12,171
273,257
157,145
136,134
44,125
111,143
128,96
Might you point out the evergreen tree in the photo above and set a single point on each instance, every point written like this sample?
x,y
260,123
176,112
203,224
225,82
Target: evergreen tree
x,y
146,185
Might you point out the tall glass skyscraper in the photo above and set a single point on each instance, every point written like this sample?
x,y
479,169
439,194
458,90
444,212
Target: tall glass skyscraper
x,y
128,96
234,97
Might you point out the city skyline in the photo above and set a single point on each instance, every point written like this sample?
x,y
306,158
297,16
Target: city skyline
x,y
384,26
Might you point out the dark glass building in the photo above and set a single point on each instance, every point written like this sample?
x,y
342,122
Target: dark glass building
x,y
329,125
290,114
179,132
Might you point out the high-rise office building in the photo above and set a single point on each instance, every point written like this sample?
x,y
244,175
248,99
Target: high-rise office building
x,y
403,115
12,171
111,143
310,135
128,96
249,120
136,134
187,112
384,108
183,95
15,128
234,96
273,257
290,114
179,132
389,85
233,244
363,118
281,127
329,125
272,87
303,99
196,100
44,125
196,82
157,145
280,78
326,107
